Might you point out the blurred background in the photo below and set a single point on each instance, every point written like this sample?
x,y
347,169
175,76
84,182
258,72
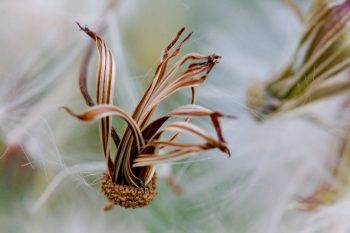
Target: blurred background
x,y
51,163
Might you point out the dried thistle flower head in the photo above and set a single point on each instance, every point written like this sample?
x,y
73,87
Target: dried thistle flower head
x,y
322,53
334,186
331,190
130,179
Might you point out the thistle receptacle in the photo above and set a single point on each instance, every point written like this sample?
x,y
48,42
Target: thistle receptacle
x,y
322,53
130,179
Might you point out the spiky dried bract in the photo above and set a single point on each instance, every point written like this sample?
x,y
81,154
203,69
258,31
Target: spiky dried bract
x,y
322,53
139,148
128,196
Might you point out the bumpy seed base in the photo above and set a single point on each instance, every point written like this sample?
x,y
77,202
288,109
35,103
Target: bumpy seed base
x,y
256,97
128,196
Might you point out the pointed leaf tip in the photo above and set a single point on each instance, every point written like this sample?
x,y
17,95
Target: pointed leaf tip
x,y
87,30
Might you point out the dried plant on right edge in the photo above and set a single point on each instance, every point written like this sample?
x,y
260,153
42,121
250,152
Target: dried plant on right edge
x,y
130,179
323,52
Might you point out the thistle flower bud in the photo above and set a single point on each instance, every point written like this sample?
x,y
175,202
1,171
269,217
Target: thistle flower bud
x,y
322,53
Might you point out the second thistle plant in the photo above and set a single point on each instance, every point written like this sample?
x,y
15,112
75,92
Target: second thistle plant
x,y
322,53
130,179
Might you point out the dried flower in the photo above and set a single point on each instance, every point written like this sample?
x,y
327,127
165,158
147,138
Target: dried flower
x,y
328,192
336,186
322,53
130,179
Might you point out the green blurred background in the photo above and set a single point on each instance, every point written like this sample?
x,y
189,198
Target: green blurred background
x,y
51,163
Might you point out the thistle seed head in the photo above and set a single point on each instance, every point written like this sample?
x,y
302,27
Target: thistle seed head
x,y
130,181
258,101
128,196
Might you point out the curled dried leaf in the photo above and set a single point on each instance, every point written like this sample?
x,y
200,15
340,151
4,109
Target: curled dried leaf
x,y
101,111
